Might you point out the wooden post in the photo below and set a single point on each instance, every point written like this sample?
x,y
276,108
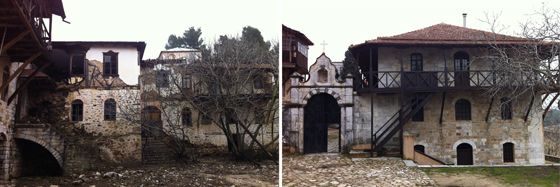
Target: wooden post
x,y
408,146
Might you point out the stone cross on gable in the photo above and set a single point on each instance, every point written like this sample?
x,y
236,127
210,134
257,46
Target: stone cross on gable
x,y
324,44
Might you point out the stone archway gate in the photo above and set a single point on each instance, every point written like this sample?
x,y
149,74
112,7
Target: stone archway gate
x,y
43,135
301,91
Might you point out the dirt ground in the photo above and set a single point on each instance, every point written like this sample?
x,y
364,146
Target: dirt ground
x,y
443,179
206,172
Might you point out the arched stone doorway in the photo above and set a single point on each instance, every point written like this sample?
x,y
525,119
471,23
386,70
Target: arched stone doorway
x,y
36,160
464,154
151,122
321,115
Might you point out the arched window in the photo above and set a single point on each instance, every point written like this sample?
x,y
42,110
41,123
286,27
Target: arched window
x,y
508,152
323,75
110,112
416,62
461,61
419,148
506,111
462,110
186,117
77,110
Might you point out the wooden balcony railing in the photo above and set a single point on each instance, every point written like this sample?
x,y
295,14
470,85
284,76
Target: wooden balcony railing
x,y
35,12
395,81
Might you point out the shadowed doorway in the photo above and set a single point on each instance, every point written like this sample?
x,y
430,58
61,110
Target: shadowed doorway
x,y
321,124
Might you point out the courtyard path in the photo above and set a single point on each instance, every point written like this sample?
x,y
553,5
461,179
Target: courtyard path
x,y
341,171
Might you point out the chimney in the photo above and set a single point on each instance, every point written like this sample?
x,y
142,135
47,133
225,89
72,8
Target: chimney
x,y
464,19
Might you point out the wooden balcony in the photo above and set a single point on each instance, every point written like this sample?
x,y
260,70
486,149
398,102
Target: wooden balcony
x,y
438,81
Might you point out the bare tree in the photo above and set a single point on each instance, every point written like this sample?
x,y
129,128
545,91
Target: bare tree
x,y
236,85
528,64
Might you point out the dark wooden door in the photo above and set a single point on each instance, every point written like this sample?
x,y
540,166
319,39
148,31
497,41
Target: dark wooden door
x,y
464,154
508,152
320,111
151,122
462,75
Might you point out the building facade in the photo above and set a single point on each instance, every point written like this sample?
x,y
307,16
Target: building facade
x,y
424,90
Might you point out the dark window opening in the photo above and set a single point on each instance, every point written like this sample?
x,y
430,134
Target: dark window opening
x,y
419,148
110,112
77,110
508,149
285,56
462,110
187,82
230,116
461,60
162,79
78,64
258,82
416,62
186,118
323,75
213,88
110,64
205,119
506,110
419,116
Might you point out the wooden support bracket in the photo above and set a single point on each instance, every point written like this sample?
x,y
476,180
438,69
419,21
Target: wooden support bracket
x,y
18,71
442,106
12,42
549,105
529,108
489,109
26,82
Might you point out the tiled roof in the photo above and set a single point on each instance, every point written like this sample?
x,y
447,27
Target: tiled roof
x,y
447,34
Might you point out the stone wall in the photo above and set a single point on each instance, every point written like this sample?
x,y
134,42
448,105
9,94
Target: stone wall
x,y
119,140
486,138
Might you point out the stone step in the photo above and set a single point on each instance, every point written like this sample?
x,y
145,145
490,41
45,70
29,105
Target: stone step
x,y
361,147
360,154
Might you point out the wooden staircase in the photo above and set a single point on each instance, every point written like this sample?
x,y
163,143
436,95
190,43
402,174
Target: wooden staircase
x,y
386,132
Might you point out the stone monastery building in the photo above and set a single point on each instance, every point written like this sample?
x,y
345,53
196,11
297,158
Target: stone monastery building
x,y
421,95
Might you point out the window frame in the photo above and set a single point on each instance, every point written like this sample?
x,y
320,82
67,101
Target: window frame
x,y
73,64
186,114
162,78
416,62
461,61
506,108
77,110
110,114
463,110
111,68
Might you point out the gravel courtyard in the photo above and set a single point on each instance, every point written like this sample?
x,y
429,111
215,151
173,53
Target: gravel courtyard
x,y
341,171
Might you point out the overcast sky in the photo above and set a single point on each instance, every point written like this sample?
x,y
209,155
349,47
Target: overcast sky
x,y
342,23
154,21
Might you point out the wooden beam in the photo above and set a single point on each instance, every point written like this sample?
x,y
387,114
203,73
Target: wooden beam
x,y
26,82
18,71
549,105
489,109
442,105
12,42
530,106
